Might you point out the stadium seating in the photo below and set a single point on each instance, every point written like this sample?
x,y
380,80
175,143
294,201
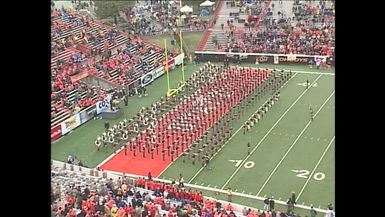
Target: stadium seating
x,y
312,33
69,31
76,193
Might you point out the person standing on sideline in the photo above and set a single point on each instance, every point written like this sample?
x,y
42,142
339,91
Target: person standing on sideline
x,y
313,213
311,114
290,205
293,198
149,176
229,194
266,204
271,204
181,181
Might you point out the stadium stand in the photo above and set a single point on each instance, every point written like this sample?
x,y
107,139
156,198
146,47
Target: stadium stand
x,y
154,19
76,193
175,126
309,31
83,46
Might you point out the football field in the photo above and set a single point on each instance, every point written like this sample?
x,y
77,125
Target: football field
x,y
289,151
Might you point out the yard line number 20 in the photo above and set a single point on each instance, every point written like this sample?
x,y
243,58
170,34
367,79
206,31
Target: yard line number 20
x,y
305,173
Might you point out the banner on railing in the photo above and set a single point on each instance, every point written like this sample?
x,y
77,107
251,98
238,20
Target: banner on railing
x,y
87,114
70,124
103,105
276,59
158,72
259,57
291,57
151,76
154,74
178,59
147,79
56,133
170,64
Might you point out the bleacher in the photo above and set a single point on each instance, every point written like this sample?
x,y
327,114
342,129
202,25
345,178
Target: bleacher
x,y
137,69
62,112
69,182
115,39
94,28
311,32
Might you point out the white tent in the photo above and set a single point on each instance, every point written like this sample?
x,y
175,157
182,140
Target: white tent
x,y
207,3
186,9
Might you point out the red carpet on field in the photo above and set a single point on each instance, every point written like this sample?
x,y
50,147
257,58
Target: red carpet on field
x,y
136,165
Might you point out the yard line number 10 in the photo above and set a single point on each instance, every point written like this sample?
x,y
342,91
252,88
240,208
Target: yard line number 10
x,y
247,165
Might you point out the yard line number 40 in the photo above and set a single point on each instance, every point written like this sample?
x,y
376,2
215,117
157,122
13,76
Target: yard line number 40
x,y
305,173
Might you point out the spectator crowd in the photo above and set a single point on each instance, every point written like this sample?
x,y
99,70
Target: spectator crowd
x,y
310,31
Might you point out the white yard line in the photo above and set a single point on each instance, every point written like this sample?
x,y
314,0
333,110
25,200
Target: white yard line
x,y
250,196
200,170
311,174
292,145
314,73
268,132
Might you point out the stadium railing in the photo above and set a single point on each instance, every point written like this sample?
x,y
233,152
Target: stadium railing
x,y
262,57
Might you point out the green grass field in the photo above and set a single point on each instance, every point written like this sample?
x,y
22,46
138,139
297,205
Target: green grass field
x,y
289,152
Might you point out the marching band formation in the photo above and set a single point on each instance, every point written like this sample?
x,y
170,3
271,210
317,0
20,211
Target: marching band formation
x,y
197,122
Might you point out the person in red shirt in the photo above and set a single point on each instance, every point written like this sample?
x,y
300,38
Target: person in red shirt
x,y
229,208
